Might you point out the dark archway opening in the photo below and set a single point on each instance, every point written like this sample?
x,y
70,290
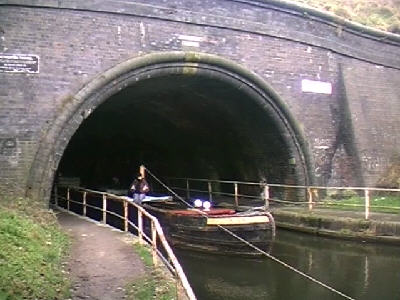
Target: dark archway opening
x,y
178,125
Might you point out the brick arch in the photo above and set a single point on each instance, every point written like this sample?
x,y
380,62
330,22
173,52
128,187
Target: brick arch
x,y
102,87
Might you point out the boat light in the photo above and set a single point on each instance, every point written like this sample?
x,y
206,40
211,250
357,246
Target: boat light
x,y
198,203
206,205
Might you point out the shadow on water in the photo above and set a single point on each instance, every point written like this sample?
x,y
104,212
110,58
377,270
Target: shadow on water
x,y
360,270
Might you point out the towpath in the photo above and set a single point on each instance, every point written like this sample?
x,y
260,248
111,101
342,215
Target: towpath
x,y
380,227
102,259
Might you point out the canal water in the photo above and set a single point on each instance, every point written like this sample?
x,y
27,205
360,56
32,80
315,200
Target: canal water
x,y
360,270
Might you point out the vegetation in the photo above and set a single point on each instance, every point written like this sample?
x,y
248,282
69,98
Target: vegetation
x,y
32,248
380,14
391,177
388,204
381,201
155,284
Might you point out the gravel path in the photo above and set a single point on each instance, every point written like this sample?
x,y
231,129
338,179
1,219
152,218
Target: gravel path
x,y
102,260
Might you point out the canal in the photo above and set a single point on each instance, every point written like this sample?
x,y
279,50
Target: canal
x,y
360,270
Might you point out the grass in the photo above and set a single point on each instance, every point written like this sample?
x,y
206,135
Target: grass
x,y
144,254
155,284
32,248
380,14
387,204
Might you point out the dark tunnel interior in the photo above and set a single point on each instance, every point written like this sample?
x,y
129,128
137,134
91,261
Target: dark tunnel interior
x,y
179,126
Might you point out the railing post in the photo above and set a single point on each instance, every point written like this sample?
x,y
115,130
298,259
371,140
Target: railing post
x,y
125,216
140,226
236,194
84,203
178,268
209,191
104,209
187,189
266,195
154,243
68,198
310,198
366,192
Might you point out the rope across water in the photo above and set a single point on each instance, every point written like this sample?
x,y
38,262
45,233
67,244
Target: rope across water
x,y
273,258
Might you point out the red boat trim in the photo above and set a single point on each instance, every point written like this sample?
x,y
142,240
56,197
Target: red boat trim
x,y
211,212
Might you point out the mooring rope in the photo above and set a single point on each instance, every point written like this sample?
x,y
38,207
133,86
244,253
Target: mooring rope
x,y
170,190
286,264
270,256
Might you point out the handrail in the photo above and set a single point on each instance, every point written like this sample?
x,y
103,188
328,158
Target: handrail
x,y
156,229
285,185
311,192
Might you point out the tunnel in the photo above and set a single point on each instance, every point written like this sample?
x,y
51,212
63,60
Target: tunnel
x,y
180,115
177,126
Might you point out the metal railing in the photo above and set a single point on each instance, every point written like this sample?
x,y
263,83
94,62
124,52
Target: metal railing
x,y
100,204
310,196
261,190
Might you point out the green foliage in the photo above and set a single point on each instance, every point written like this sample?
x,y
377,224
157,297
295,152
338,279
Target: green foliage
x,y
381,14
34,210
349,194
342,12
395,28
144,254
391,177
340,194
155,284
388,204
152,286
31,251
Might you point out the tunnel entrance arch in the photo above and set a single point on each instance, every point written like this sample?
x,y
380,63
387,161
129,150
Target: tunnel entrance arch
x,y
273,123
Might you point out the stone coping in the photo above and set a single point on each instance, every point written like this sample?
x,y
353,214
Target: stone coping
x,y
361,42
382,227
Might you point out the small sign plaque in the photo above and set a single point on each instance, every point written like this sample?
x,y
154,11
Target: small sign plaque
x,y
19,63
318,87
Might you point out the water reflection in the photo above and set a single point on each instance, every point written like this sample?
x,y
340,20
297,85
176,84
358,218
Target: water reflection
x,y
360,270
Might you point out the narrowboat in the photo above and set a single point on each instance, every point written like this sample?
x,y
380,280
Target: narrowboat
x,y
200,229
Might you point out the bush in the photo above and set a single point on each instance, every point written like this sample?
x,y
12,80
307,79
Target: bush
x,y
343,12
395,28
382,14
341,194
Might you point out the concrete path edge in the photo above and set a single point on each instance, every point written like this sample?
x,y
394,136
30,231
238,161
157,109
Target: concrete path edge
x,y
339,227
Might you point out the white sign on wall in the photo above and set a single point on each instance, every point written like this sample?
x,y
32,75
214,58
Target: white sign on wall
x,y
19,63
191,40
319,87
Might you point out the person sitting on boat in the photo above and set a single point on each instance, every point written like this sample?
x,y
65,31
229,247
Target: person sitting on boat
x,y
139,188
